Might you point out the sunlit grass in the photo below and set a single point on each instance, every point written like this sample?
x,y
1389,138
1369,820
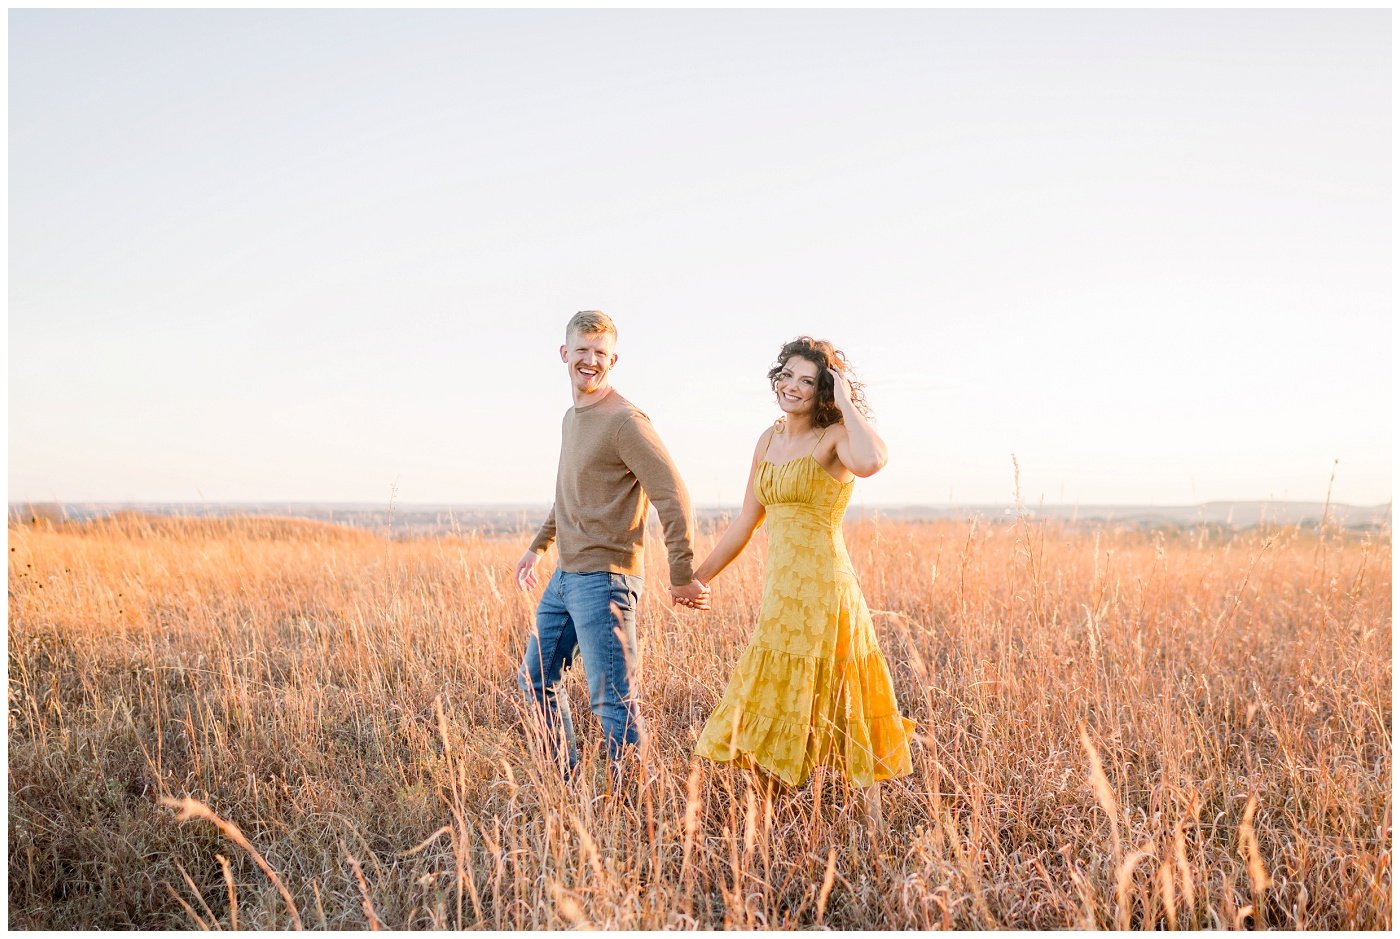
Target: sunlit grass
x,y
1117,728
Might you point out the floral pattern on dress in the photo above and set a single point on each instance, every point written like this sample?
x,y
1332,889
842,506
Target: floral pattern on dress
x,y
813,687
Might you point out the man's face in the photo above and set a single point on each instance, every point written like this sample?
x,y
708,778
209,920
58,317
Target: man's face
x,y
590,358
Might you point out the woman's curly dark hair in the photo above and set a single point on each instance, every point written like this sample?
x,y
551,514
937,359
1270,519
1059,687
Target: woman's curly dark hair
x,y
823,355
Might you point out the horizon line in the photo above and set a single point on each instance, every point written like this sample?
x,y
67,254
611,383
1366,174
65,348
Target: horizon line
x,y
706,505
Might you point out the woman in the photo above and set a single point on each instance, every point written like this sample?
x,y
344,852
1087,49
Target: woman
x,y
812,687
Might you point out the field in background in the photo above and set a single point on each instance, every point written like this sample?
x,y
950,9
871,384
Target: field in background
x,y
1118,728
423,520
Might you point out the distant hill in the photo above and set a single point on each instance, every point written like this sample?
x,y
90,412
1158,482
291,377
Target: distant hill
x,y
1237,515
513,519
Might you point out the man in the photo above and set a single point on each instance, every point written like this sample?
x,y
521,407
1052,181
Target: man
x,y
611,466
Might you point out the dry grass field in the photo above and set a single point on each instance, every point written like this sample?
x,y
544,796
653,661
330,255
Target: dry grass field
x,y
1118,728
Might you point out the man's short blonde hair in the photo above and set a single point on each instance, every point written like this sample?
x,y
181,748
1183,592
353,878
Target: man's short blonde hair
x,y
591,323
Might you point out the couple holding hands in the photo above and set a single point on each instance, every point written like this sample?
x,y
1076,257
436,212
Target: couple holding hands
x,y
812,688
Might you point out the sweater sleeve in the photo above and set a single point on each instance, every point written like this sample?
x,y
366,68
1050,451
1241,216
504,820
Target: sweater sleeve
x,y
545,536
642,450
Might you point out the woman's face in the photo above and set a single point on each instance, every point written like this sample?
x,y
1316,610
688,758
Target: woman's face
x,y
796,386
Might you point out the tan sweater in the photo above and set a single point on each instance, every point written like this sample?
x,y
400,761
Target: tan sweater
x,y
610,464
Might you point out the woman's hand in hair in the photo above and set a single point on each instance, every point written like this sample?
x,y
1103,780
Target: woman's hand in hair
x,y
841,389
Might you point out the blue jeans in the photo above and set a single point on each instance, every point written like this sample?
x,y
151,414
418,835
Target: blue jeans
x,y
594,614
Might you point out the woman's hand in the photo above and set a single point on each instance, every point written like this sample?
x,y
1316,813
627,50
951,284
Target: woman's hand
x,y
841,389
860,449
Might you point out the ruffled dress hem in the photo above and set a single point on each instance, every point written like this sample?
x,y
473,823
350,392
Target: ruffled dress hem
x,y
823,718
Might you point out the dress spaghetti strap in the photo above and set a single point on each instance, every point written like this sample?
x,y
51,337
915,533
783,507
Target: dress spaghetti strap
x,y
772,432
819,441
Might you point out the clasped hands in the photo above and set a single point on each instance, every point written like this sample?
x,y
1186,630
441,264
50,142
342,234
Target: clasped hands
x,y
694,595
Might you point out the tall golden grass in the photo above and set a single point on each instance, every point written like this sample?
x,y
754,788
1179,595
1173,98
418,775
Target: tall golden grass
x,y
271,723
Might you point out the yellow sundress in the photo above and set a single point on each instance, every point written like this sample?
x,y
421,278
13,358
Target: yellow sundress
x,y
812,687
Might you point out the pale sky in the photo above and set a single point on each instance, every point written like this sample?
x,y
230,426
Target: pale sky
x,y
329,255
